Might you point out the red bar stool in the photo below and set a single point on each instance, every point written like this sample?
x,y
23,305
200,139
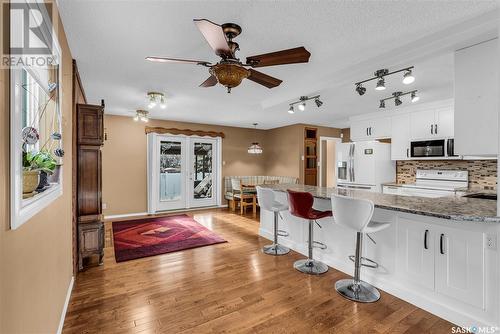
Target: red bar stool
x,y
301,205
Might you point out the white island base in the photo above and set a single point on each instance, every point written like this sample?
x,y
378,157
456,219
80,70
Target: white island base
x,y
458,280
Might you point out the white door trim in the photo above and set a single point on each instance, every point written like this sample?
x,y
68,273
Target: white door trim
x,y
152,175
320,158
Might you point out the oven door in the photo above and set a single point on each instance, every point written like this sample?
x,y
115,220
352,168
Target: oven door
x,y
428,148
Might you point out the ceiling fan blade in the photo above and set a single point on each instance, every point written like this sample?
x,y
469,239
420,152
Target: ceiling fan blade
x,y
290,56
176,60
215,37
211,81
264,79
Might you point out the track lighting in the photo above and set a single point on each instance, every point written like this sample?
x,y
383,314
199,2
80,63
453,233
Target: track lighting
x,y
408,78
380,84
397,98
301,103
360,89
414,97
380,75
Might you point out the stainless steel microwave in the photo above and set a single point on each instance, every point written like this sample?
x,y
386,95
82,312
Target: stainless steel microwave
x,y
439,148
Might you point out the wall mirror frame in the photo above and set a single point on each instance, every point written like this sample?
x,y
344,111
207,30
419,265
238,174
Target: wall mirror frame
x,y
36,138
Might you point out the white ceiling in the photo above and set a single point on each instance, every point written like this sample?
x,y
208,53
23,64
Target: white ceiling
x,y
348,40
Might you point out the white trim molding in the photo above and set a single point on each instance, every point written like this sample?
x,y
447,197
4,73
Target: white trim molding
x,y
65,306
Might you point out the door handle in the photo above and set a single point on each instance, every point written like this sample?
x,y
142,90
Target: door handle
x,y
441,243
425,239
432,129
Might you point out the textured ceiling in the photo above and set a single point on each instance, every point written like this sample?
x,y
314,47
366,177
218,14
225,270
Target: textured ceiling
x,y
348,40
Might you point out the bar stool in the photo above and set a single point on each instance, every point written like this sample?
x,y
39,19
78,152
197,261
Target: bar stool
x,y
356,214
267,201
301,206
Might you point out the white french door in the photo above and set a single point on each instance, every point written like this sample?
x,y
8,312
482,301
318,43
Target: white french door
x,y
183,172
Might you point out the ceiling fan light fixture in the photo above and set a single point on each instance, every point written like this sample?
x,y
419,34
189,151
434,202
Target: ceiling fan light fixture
x,y
229,75
408,77
380,84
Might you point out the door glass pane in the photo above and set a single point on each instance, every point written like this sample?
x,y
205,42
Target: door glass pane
x,y
202,170
170,170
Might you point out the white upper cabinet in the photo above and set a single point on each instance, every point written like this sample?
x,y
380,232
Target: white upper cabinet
x,y
433,123
369,129
476,99
422,124
400,141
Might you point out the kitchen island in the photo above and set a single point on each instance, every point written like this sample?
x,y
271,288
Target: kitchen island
x,y
439,253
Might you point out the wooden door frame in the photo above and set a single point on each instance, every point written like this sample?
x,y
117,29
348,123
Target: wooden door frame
x,y
320,155
76,84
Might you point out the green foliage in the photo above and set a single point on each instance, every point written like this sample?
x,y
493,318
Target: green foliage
x,y
42,160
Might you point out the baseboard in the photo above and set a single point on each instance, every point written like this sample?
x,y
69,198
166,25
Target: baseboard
x,y
135,214
66,303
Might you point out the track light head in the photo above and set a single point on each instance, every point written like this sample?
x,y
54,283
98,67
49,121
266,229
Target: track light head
x,y
380,84
318,102
302,106
408,77
360,89
414,97
291,111
397,101
382,104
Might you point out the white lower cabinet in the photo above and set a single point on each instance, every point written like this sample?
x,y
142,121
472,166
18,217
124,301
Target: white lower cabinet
x,y
460,266
415,256
449,261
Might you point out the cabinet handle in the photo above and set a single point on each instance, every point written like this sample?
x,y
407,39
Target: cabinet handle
x,y
441,243
370,130
436,128
367,132
432,129
425,239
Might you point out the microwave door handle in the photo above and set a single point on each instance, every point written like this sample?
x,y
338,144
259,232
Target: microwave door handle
x,y
353,161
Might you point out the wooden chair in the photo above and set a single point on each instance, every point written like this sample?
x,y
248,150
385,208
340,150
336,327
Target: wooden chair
x,y
245,195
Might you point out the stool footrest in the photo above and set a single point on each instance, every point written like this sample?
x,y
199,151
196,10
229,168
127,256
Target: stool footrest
x,y
365,262
282,233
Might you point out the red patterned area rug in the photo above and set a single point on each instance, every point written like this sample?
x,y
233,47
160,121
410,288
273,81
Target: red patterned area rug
x,y
134,239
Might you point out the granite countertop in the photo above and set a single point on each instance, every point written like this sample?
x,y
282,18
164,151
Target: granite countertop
x,y
470,190
451,207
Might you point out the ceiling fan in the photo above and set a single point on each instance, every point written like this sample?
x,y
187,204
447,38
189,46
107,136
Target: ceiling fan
x,y
230,71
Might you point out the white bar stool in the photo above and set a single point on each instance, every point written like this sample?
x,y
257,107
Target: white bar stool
x,y
356,214
268,202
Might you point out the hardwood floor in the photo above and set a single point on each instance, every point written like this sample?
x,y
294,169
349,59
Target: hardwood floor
x,y
228,288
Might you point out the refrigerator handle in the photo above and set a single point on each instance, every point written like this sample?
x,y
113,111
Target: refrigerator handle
x,y
352,166
350,162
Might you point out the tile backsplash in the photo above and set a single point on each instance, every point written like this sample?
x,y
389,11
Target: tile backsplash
x,y
482,173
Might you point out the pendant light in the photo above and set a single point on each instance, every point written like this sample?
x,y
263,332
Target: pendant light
x,y
255,148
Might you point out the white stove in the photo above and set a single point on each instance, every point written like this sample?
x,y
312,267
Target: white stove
x,y
433,183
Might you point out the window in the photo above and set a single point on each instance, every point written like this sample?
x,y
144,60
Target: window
x,y
35,100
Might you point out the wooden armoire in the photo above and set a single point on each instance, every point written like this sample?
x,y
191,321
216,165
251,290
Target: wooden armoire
x,y
90,138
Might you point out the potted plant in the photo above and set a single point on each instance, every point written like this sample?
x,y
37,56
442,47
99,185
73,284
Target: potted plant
x,y
36,168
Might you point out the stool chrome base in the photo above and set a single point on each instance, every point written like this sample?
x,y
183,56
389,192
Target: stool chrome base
x,y
366,293
275,249
311,267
